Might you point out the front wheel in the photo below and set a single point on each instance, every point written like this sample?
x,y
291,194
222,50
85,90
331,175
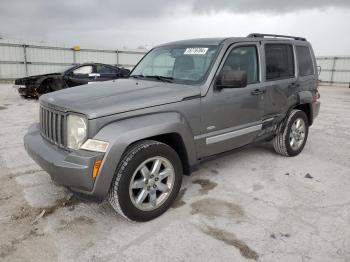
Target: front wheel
x,y
147,181
291,138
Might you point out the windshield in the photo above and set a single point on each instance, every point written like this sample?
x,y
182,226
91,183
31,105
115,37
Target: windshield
x,y
178,64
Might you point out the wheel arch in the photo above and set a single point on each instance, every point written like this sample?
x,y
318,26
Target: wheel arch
x,y
307,109
175,141
42,85
169,128
304,103
47,83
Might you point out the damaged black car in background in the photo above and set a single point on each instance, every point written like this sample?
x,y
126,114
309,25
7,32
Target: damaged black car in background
x,y
34,86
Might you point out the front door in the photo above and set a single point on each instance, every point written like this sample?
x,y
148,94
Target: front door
x,y
231,117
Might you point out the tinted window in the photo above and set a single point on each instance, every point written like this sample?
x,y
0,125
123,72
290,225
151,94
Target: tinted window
x,y
279,61
304,61
244,59
102,69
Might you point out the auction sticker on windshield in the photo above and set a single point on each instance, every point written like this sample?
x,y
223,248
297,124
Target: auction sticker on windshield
x,y
196,51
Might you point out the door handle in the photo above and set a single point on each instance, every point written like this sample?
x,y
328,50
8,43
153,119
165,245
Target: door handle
x,y
257,92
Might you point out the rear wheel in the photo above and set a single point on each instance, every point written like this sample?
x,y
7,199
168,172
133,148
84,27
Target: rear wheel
x,y
291,137
147,181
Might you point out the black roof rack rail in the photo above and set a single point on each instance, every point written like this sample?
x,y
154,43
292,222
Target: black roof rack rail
x,y
258,35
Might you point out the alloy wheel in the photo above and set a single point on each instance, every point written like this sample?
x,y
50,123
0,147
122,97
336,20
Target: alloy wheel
x,y
151,183
297,134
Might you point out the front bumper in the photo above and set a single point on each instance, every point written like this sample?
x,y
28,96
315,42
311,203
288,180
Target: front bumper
x,y
26,90
70,169
21,89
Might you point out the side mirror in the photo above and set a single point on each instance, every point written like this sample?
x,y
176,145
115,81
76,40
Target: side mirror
x,y
232,79
125,72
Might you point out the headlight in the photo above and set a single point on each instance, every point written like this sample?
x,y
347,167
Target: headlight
x,y
76,131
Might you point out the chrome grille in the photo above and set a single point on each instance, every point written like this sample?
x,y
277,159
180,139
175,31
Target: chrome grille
x,y
52,125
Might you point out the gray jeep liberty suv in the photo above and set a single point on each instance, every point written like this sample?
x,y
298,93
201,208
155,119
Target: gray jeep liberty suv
x,y
131,140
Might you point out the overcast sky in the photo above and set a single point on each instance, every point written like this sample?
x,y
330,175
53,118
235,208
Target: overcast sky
x,y
118,23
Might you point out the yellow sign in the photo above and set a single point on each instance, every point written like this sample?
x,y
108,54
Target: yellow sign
x,y
76,48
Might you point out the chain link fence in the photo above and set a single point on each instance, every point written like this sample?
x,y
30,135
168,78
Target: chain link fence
x,y
335,70
20,60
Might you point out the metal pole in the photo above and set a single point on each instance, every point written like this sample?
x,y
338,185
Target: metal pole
x,y
333,68
117,52
25,59
74,57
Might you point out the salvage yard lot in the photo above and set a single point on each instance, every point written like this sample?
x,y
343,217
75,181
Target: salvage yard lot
x,y
248,205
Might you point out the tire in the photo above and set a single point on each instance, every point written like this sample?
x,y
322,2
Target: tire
x,y
283,142
135,170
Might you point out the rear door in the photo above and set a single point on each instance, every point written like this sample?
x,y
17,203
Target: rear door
x,y
307,75
281,83
231,117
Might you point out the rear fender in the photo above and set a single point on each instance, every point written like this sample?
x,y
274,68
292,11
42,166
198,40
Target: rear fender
x,y
303,98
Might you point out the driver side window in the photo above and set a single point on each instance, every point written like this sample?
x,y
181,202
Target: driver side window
x,y
244,58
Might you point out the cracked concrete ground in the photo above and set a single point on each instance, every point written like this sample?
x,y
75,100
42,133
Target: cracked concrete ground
x,y
246,206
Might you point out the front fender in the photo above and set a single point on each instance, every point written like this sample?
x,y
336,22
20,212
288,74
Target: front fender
x,y
122,133
40,80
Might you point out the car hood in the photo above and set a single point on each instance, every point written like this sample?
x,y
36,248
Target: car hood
x,y
118,96
32,79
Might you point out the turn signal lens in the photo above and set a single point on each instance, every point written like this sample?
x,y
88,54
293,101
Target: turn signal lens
x,y
317,95
96,168
95,145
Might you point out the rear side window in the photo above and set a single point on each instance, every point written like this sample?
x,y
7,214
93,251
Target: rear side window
x,y
305,65
279,61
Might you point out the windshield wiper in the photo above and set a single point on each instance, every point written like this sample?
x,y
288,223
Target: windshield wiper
x,y
161,78
158,77
137,76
